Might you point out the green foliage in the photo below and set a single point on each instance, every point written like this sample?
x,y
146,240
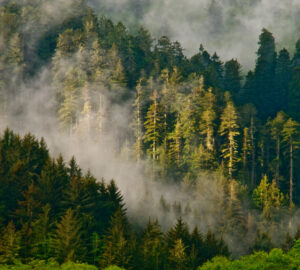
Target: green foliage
x,y
229,129
68,243
113,267
9,244
276,259
182,117
267,197
153,126
52,265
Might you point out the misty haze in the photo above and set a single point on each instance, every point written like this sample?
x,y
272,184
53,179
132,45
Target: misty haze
x,y
149,134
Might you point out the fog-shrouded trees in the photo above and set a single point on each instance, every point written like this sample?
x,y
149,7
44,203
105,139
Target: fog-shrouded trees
x,y
191,120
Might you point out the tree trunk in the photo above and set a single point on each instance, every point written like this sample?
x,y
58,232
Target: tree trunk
x,y
291,173
230,156
252,154
277,159
154,140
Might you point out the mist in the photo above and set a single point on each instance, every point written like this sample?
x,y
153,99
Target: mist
x,y
228,27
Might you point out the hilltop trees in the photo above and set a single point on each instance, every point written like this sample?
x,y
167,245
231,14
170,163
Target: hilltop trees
x,y
71,228
191,120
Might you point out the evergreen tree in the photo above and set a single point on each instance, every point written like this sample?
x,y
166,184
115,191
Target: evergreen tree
x,y
138,122
177,255
207,120
178,231
175,147
142,53
229,129
67,241
265,74
116,244
154,126
290,133
248,92
246,151
70,105
42,228
267,197
232,78
85,121
282,81
9,244
262,242
276,126
293,93
152,246
197,246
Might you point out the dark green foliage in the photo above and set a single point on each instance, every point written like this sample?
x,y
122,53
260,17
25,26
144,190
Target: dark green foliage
x,y
265,74
276,259
67,243
194,116
232,78
262,242
293,93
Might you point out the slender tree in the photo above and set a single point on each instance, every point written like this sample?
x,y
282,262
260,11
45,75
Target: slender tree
x,y
229,129
290,134
154,126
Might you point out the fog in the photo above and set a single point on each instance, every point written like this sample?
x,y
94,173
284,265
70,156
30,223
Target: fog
x,y
229,27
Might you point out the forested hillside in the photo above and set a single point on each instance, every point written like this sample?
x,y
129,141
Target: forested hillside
x,y
205,153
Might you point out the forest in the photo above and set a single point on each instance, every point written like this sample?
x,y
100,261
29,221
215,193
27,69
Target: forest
x,y
189,162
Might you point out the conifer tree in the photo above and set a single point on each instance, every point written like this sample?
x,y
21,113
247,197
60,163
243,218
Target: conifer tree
x,y
178,231
152,246
178,255
15,58
9,244
190,117
188,126
207,119
234,215
197,245
265,74
290,134
100,119
116,250
232,78
288,242
67,241
229,129
246,151
154,126
52,183
293,93
282,79
248,92
86,113
70,105
175,147
28,207
138,122
276,126
262,242
42,227
267,197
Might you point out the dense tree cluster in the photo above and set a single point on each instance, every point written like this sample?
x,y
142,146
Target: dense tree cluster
x,y
189,117
51,210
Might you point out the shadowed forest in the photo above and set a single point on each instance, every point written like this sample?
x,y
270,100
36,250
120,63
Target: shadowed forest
x,y
188,162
